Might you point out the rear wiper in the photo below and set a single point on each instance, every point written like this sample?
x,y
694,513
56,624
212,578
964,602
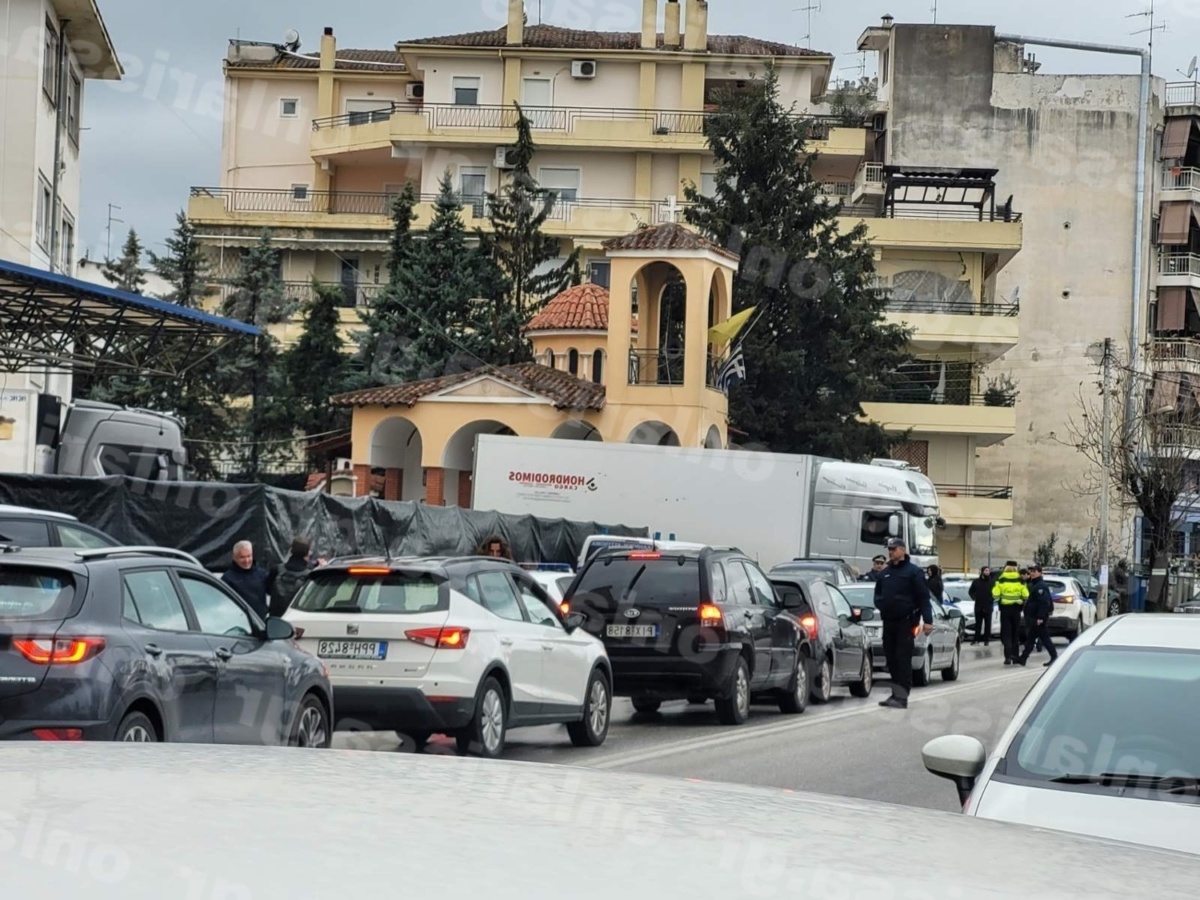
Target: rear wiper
x,y
1177,784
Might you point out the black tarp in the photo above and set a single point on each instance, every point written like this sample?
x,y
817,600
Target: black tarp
x,y
207,518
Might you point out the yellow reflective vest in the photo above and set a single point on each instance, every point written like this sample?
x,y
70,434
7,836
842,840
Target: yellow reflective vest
x,y
1010,590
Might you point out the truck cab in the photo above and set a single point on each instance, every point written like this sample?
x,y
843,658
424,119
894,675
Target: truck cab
x,y
98,439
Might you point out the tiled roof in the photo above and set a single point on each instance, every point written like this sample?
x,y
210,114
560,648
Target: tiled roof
x,y
567,391
580,308
668,236
552,37
346,60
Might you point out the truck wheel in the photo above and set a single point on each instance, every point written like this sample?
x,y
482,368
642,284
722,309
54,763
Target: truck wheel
x,y
734,707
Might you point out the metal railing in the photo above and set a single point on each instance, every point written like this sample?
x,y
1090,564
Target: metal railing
x,y
978,491
354,294
1183,93
1179,264
1166,351
439,116
1181,178
1007,309
950,212
663,367
1169,434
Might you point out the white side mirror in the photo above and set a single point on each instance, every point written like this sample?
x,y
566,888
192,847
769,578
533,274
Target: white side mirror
x,y
957,757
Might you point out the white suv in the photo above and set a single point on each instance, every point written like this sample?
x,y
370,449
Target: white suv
x,y
465,647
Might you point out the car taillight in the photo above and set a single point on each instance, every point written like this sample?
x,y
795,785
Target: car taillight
x,y
50,651
444,638
710,614
810,625
58,734
370,570
645,554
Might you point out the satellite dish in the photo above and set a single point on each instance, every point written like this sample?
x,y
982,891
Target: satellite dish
x,y
1191,73
291,39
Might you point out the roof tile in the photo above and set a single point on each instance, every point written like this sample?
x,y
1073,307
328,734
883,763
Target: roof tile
x,y
567,391
347,60
668,236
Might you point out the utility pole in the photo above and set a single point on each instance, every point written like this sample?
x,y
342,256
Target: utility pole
x,y
1105,478
108,240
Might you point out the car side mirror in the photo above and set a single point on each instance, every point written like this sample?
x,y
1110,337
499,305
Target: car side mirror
x,y
868,614
955,613
279,629
574,621
957,757
893,526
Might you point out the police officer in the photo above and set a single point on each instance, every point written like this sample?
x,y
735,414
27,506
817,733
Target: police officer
x,y
1038,610
877,566
1010,592
902,598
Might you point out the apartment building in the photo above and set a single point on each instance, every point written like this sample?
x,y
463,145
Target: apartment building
x,y
317,144
1066,147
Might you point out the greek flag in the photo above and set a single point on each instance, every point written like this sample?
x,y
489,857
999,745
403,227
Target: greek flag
x,y
733,370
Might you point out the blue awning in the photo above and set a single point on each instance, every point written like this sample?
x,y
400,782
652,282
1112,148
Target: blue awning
x,y
48,319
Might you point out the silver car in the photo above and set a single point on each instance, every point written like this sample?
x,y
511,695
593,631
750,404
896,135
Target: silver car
x,y
939,651
1105,743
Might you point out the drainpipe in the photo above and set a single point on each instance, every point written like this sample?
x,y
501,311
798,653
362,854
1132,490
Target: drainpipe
x,y
60,99
1135,324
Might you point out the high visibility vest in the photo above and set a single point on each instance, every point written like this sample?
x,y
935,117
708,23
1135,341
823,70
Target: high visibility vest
x,y
1010,590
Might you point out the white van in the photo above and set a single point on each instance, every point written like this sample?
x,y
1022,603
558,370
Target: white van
x,y
593,544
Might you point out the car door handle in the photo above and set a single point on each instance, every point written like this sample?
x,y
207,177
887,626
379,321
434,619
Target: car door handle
x,y
507,642
153,649
547,647
224,654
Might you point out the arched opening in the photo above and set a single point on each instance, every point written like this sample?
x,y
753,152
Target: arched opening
x,y
573,361
712,440
395,460
576,430
458,459
657,357
550,358
598,367
654,433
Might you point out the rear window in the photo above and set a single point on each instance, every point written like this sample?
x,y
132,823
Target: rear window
x,y
860,597
399,593
35,594
666,581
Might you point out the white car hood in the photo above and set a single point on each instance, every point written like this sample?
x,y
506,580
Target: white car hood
x,y
1157,823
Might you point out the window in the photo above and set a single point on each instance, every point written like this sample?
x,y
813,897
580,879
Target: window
x,y
498,597
564,183
645,582
67,260
45,216
299,191
74,106
472,185
840,604
539,612
598,367
550,359
81,538
289,108
35,594
398,593
820,594
874,528
884,66
573,361
147,463
150,599
763,594
25,532
50,63
718,590
741,592
708,184
466,91
216,611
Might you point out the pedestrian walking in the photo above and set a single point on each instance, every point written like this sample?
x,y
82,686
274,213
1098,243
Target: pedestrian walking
x,y
981,592
933,575
903,600
1010,592
877,566
252,583
291,575
1038,610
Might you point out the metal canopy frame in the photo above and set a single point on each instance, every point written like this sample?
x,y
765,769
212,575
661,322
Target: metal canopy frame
x,y
974,188
52,321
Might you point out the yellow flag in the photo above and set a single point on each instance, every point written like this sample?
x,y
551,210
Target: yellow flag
x,y
726,331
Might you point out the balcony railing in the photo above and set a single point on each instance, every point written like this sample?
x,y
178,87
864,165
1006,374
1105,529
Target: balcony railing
x,y
663,367
1007,309
1166,351
354,294
444,116
1183,93
950,212
1183,178
1186,437
1179,264
977,491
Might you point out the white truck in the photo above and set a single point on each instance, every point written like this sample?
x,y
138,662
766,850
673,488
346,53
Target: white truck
x,y
773,506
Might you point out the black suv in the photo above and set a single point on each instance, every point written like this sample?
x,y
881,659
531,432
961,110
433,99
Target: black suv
x,y
693,624
142,644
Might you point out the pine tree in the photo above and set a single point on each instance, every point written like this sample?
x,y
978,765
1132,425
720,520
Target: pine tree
x,y
184,264
518,249
822,345
317,365
126,273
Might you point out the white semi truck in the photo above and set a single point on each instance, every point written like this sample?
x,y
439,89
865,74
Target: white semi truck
x,y
773,506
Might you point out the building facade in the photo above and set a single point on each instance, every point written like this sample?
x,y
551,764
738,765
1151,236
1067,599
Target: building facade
x,y
1066,148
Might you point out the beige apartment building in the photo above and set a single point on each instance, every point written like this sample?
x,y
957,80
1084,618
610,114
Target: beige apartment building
x,y
316,145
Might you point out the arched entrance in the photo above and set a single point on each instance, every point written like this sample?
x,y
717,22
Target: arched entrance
x,y
395,454
712,440
458,459
654,433
576,430
659,345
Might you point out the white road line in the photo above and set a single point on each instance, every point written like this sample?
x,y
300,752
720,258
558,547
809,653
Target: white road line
x,y
791,724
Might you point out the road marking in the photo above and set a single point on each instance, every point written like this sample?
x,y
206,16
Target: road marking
x,y
791,724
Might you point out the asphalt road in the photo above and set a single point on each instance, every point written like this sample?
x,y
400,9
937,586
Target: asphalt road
x,y
849,747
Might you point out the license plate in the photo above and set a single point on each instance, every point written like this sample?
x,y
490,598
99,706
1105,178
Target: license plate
x,y
632,631
352,649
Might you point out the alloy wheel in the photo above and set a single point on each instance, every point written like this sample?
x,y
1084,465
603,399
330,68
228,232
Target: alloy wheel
x,y
311,729
492,721
138,734
598,709
742,691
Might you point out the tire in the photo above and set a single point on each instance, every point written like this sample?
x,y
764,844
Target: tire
x,y
1114,608
862,687
734,708
489,725
822,684
645,704
592,729
924,675
311,728
951,673
136,727
794,700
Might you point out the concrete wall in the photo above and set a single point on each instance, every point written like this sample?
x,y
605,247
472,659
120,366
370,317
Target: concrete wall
x,y
1065,147
263,149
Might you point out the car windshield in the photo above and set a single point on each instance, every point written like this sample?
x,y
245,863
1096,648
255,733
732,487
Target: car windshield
x,y
958,593
371,592
1115,711
923,539
35,594
859,595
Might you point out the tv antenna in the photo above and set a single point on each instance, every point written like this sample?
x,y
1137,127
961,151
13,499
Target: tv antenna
x,y
861,68
810,9
1148,14
934,11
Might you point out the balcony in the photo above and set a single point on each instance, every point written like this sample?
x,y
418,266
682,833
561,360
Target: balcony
x,y
975,506
580,128
1173,440
1178,269
933,397
985,330
1176,355
1182,94
1180,183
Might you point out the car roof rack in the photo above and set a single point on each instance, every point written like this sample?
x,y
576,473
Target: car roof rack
x,y
105,552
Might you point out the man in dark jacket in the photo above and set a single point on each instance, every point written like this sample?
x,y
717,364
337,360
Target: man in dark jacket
x,y
877,566
291,575
903,600
1038,610
252,583
981,592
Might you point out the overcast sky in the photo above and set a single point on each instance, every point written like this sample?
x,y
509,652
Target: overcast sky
x,y
157,133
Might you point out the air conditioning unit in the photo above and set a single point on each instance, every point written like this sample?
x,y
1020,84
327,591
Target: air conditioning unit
x,y
505,157
583,68
879,122
415,91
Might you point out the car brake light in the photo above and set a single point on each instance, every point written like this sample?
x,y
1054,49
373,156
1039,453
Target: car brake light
x,y
50,651
58,734
370,570
645,554
810,625
711,613
444,638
